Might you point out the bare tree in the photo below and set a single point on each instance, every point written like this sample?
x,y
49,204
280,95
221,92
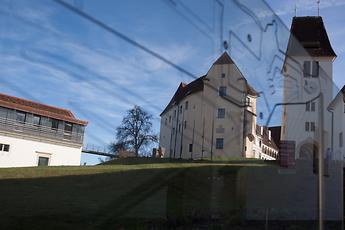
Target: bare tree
x,y
135,130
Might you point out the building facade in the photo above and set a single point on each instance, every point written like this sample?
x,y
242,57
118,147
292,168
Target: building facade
x,y
264,145
214,116
34,134
337,109
308,87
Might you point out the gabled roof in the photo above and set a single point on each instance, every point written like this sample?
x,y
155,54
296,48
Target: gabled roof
x,y
310,32
184,90
340,95
224,59
198,85
28,106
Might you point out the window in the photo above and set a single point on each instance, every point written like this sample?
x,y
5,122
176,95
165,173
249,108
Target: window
x,y
306,69
4,147
169,119
179,127
313,106
68,127
55,124
20,116
190,148
36,120
341,139
222,91
307,126
186,105
223,75
311,69
166,121
307,106
43,161
219,143
185,124
247,101
312,126
181,109
315,69
221,113
175,113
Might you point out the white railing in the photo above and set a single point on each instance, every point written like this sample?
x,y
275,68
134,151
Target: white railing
x,y
30,129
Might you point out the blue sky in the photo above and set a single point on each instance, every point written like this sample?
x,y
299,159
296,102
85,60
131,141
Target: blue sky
x,y
52,55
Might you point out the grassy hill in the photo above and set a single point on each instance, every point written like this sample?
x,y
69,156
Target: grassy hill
x,y
127,194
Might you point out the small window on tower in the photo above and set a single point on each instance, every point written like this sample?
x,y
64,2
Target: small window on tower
x,y
306,69
186,105
312,126
315,69
313,106
307,106
223,75
307,126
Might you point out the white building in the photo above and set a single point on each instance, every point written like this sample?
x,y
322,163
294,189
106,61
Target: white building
x,y
264,147
33,134
337,108
214,116
308,85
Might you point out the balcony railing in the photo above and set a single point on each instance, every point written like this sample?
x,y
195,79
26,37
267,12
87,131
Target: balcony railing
x,y
40,131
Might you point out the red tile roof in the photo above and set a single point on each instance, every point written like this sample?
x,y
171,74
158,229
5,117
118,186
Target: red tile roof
x,y
310,32
184,90
39,109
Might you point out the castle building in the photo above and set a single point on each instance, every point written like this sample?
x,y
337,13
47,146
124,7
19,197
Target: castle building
x,y
214,116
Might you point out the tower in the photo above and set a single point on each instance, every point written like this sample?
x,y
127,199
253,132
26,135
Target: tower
x,y
308,87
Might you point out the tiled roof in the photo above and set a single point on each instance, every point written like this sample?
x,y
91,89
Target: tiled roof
x,y
224,59
184,90
38,109
265,137
311,34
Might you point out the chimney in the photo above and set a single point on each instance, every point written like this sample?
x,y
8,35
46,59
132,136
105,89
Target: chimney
x,y
261,130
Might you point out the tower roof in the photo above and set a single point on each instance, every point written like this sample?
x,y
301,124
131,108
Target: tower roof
x,y
310,32
224,59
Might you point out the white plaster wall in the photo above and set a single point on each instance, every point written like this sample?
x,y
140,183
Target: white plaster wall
x,y
295,116
338,126
24,153
202,121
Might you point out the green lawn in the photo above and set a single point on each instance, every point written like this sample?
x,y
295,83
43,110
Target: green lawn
x,y
127,194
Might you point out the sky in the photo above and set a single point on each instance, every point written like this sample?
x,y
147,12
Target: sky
x,y
98,59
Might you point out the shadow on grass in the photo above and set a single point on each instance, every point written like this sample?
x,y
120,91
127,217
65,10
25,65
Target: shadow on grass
x,y
149,160
171,198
